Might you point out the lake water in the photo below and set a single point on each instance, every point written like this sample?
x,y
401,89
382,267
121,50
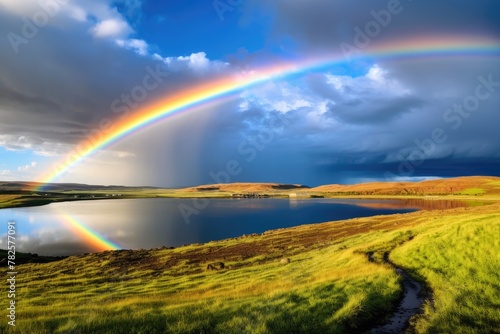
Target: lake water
x,y
87,226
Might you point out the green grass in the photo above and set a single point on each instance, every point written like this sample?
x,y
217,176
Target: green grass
x,y
472,191
321,291
328,287
461,263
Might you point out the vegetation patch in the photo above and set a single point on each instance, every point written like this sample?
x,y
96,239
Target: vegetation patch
x,y
472,191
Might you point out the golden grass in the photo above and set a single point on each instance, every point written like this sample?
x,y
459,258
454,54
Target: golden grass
x,y
471,185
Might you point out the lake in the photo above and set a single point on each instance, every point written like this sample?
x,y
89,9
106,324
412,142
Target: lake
x,y
71,228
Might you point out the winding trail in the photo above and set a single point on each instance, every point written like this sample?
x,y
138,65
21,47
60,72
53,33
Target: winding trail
x,y
409,306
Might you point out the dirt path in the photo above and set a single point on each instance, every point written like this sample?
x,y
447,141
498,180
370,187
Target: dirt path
x,y
409,306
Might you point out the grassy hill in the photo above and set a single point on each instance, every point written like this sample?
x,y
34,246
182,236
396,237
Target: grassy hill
x,y
22,258
471,185
247,187
465,186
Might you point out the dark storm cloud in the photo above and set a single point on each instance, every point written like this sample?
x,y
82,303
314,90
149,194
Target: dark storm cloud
x,y
376,111
382,123
325,24
446,167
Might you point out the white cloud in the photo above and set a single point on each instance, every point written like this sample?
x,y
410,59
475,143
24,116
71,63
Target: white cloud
x,y
77,13
197,62
279,96
138,45
32,165
112,28
376,74
35,144
17,143
376,79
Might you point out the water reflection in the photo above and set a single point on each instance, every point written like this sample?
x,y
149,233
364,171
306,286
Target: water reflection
x,y
89,226
413,203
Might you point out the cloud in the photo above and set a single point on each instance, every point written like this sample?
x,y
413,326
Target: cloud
x,y
102,19
138,45
372,98
27,167
324,25
112,28
197,62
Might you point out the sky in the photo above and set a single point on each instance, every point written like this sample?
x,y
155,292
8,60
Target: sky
x,y
72,69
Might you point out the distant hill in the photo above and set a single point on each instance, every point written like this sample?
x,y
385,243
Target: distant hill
x,y
246,187
30,186
470,185
226,187
27,258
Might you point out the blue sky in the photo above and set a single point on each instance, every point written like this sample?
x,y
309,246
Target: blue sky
x,y
360,120
186,27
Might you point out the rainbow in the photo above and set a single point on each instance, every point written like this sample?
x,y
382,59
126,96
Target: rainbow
x,y
91,237
189,99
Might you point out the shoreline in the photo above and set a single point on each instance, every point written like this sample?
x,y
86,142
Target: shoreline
x,y
42,201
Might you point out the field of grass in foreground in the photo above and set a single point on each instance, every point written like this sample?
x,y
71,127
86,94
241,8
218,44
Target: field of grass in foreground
x,y
461,263
328,287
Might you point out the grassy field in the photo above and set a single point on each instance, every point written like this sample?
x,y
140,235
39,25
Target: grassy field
x,y
329,286
461,263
